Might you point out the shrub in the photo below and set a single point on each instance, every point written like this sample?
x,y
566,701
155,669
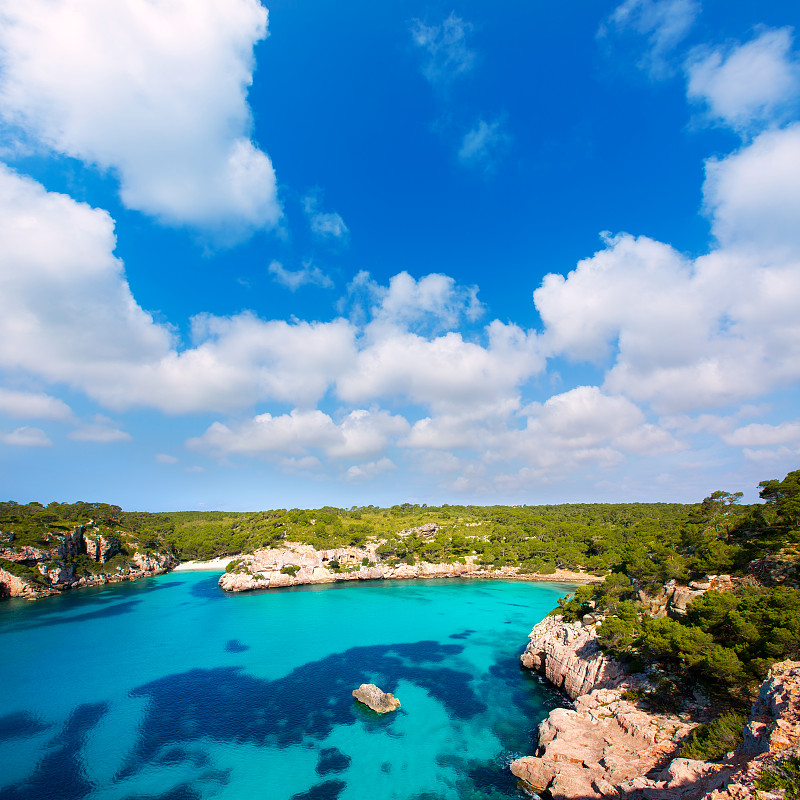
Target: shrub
x,y
783,775
290,569
712,742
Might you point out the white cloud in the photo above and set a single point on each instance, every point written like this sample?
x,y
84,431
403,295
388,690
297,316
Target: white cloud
x,y
443,373
324,224
308,275
433,303
362,472
763,435
26,437
445,45
67,314
757,82
100,431
690,335
154,91
664,23
483,145
66,311
360,434
33,405
753,195
165,458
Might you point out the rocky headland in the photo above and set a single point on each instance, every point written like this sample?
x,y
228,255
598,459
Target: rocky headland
x,y
606,746
296,564
78,558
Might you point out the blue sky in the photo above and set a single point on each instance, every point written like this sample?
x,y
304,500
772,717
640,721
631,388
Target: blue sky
x,y
370,253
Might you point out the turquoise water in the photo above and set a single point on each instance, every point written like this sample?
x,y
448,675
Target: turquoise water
x,y
169,689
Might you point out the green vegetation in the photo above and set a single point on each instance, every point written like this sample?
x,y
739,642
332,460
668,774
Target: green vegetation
x,y
290,569
712,742
783,775
725,641
30,575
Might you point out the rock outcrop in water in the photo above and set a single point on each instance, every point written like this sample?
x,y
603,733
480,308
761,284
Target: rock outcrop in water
x,y
297,564
370,695
607,747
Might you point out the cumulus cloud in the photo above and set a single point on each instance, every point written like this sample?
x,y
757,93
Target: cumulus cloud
x,y
764,435
664,24
753,195
67,314
432,304
370,470
446,372
483,145
101,430
323,224
33,405
156,92
747,84
360,434
165,458
446,52
26,437
686,335
293,279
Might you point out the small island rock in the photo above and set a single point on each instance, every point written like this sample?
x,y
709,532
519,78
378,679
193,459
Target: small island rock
x,y
370,695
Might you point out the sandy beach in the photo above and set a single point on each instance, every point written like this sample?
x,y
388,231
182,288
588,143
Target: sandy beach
x,y
216,564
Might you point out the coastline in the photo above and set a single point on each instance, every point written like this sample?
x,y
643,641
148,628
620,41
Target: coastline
x,y
213,564
608,746
296,564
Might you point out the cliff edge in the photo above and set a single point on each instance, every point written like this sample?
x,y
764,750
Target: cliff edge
x,y
607,747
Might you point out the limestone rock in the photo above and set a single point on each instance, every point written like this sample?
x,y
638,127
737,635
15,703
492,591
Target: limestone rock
x,y
26,554
14,586
567,654
608,747
370,695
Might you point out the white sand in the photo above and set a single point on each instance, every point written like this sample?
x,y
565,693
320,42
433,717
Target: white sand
x,y
217,564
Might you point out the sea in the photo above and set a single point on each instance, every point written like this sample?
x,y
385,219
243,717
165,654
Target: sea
x,y
171,689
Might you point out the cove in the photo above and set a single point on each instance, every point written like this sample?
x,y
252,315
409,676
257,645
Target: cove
x,y
170,689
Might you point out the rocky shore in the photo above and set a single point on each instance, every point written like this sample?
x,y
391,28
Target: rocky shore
x,y
608,747
297,564
36,572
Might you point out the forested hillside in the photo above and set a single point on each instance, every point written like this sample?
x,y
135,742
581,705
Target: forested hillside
x,y
651,542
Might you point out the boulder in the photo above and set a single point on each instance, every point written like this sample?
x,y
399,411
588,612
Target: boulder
x,y
370,695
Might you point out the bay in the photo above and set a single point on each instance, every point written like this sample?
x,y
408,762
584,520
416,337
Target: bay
x,y
170,689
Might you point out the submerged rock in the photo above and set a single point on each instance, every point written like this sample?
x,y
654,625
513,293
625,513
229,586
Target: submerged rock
x,y
370,695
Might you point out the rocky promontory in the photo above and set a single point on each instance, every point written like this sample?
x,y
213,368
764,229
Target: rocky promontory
x,y
80,557
606,746
296,564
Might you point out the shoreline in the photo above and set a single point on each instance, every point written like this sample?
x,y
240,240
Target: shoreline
x,y
213,564
296,564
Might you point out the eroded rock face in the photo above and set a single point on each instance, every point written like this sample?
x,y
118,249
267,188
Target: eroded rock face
x,y
275,567
772,732
607,747
370,695
101,548
14,586
59,577
673,598
567,654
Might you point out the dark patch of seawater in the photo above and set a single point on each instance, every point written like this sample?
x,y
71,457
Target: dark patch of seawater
x,y
184,711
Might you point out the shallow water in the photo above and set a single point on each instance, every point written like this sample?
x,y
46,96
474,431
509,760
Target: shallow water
x,y
170,689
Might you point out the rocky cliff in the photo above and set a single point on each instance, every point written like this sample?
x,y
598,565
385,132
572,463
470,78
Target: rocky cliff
x,y
607,747
35,572
297,564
